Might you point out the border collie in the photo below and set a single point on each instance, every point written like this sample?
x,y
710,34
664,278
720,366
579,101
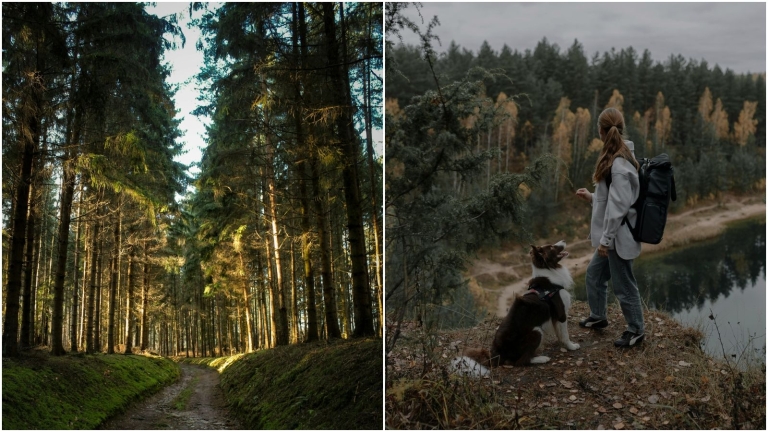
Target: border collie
x,y
544,307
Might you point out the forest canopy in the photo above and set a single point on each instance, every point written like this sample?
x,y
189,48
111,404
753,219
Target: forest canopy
x,y
104,247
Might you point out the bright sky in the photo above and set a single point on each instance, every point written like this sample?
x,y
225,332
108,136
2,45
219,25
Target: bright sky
x,y
185,64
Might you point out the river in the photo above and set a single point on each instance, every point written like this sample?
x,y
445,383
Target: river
x,y
724,276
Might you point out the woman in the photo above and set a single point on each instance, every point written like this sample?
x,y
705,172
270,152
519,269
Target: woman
x,y
616,248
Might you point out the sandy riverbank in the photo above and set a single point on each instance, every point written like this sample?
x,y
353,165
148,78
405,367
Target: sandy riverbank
x,y
684,228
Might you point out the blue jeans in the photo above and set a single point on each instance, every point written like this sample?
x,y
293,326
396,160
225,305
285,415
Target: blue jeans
x,y
602,269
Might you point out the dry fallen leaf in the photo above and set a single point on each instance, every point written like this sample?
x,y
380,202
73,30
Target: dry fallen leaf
x,y
669,379
619,426
683,363
633,410
602,410
618,405
653,399
704,379
705,398
646,418
573,398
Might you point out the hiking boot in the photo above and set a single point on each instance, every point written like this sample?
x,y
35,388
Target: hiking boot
x,y
593,323
629,339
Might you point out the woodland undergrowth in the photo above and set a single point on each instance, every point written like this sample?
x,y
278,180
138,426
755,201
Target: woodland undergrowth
x,y
666,383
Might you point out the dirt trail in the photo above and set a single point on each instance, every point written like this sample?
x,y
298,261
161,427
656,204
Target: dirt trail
x,y
693,225
194,402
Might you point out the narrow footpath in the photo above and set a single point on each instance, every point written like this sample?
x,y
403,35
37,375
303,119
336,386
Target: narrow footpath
x,y
194,402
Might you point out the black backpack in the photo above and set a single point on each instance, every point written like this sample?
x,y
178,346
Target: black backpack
x,y
657,186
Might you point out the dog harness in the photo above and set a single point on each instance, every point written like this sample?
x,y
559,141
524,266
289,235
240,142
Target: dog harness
x,y
545,294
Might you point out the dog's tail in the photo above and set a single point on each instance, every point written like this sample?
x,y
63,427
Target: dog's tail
x,y
473,362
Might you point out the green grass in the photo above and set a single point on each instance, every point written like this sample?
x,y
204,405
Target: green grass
x,y
77,391
335,385
180,403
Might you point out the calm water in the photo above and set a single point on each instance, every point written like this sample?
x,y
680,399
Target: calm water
x,y
725,275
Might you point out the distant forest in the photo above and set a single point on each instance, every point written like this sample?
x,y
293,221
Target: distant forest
x,y
696,112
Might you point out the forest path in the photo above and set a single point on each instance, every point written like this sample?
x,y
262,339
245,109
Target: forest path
x,y
195,401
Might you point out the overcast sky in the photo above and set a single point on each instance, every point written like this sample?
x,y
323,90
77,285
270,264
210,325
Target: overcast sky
x,y
729,34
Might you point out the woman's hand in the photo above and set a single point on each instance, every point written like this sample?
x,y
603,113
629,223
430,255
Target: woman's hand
x,y
602,251
584,194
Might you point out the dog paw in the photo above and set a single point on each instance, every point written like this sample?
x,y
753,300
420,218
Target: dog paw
x,y
539,360
572,346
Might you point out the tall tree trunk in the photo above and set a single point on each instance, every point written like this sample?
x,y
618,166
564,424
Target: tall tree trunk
x,y
75,287
374,188
129,304
95,248
99,290
356,236
86,271
282,325
309,277
246,304
329,295
294,300
273,297
19,231
26,306
113,282
144,305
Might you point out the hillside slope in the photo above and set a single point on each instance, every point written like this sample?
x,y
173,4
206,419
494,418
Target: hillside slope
x,y
336,385
77,391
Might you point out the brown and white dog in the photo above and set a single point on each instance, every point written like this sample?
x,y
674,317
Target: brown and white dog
x,y
543,308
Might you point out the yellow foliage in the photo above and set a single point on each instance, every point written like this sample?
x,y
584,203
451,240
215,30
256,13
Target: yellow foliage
x,y
525,191
563,124
595,146
705,105
720,120
663,121
746,125
616,101
392,108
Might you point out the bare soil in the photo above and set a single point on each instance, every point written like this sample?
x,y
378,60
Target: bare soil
x,y
194,402
667,382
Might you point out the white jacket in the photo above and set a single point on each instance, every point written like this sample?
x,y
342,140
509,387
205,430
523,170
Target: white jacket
x,y
608,211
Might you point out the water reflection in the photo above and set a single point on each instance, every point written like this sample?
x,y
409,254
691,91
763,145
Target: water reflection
x,y
726,274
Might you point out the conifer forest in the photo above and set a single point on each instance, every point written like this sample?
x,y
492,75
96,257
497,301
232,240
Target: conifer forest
x,y
110,245
488,146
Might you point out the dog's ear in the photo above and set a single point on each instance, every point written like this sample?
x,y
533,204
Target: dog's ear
x,y
534,249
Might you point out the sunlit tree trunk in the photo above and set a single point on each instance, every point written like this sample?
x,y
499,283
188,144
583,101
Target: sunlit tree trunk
x,y
95,248
129,302
114,280
75,288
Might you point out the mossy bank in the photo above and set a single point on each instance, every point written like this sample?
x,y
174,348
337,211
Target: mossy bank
x,y
335,385
77,391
